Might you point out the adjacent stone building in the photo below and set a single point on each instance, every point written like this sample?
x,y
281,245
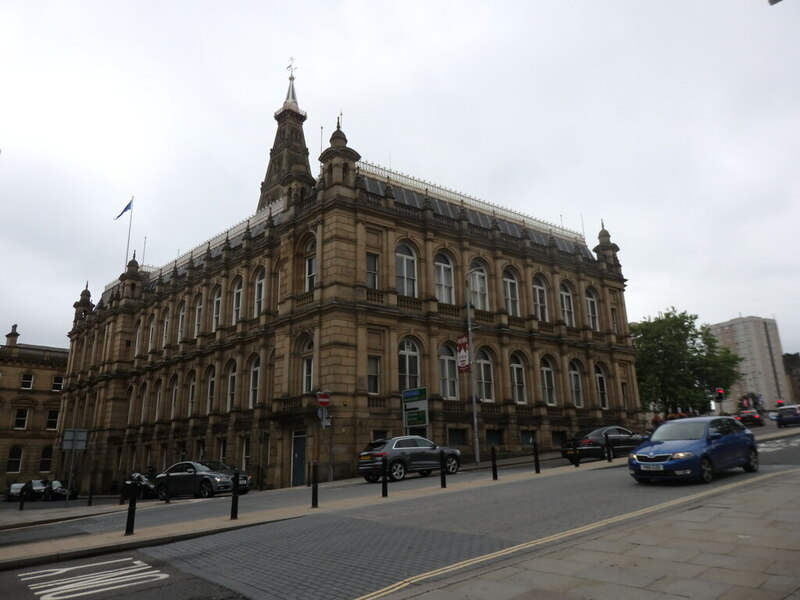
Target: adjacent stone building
x,y
31,379
352,282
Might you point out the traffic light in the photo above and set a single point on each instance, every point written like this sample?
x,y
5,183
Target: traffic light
x,y
720,394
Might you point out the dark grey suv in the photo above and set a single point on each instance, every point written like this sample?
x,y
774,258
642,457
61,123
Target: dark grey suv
x,y
405,454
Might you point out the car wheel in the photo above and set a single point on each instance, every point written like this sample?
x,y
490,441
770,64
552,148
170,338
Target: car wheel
x,y
161,492
397,471
425,472
206,489
706,474
451,465
372,478
751,465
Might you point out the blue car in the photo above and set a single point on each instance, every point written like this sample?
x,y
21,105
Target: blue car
x,y
788,415
694,449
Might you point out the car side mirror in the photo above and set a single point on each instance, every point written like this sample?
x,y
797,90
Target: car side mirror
x,y
714,436
190,471
645,438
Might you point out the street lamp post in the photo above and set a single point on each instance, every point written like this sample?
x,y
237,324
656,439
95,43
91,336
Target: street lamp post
x,y
472,384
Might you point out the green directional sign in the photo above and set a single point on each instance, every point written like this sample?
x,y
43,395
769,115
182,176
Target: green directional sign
x,y
415,407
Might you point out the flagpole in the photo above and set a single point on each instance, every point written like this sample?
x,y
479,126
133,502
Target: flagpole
x,y
128,247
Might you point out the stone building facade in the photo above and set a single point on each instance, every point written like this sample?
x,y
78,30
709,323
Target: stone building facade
x,y
353,282
31,380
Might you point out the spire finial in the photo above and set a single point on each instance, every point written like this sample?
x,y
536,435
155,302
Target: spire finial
x,y
291,68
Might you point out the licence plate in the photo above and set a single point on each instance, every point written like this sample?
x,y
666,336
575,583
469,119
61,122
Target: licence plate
x,y
651,467
571,452
366,458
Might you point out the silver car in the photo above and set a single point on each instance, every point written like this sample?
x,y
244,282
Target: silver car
x,y
202,478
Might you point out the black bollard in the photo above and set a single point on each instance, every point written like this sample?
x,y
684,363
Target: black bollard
x,y
384,478
91,492
609,451
494,464
536,457
442,469
132,492
235,496
576,457
166,487
314,485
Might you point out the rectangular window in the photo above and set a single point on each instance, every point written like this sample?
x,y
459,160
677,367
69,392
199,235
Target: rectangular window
x,y
456,437
26,382
58,383
14,463
21,418
52,419
526,437
223,449
372,271
373,374
46,460
494,437
245,454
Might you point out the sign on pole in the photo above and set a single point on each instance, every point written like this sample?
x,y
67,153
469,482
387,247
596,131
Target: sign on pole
x,y
415,407
462,354
74,439
323,398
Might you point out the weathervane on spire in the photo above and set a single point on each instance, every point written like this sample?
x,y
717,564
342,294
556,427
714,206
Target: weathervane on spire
x,y
291,68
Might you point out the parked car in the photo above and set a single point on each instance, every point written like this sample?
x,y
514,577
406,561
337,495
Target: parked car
x,y
694,448
34,489
788,415
591,443
13,492
406,454
145,487
202,478
56,490
750,418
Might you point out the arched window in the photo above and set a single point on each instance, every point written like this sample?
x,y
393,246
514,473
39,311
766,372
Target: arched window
x,y
479,295
137,337
600,383
485,376
157,401
443,272
173,398
548,382
405,271
591,310
448,381
511,293
307,361
540,300
165,328
518,392
236,301
258,293
151,333
181,321
198,315
46,459
143,404
255,369
14,462
131,405
310,252
230,388
211,384
191,392
575,385
216,308
567,312
408,365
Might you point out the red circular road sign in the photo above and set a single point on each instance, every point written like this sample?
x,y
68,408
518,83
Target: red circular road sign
x,y
323,398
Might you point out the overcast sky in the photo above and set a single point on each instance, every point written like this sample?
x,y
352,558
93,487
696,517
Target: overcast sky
x,y
675,122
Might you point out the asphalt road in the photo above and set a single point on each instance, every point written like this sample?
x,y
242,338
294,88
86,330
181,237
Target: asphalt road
x,y
353,552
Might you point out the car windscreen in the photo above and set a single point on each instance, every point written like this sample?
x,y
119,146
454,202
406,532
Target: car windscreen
x,y
375,445
679,431
215,465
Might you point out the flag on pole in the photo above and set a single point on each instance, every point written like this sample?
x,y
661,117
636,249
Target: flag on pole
x,y
128,206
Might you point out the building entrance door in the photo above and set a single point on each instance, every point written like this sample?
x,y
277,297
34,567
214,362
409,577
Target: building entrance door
x,y
298,458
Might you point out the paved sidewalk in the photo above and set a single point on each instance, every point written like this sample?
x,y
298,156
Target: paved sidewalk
x,y
740,543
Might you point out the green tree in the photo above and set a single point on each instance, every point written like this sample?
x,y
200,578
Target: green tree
x,y
678,364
